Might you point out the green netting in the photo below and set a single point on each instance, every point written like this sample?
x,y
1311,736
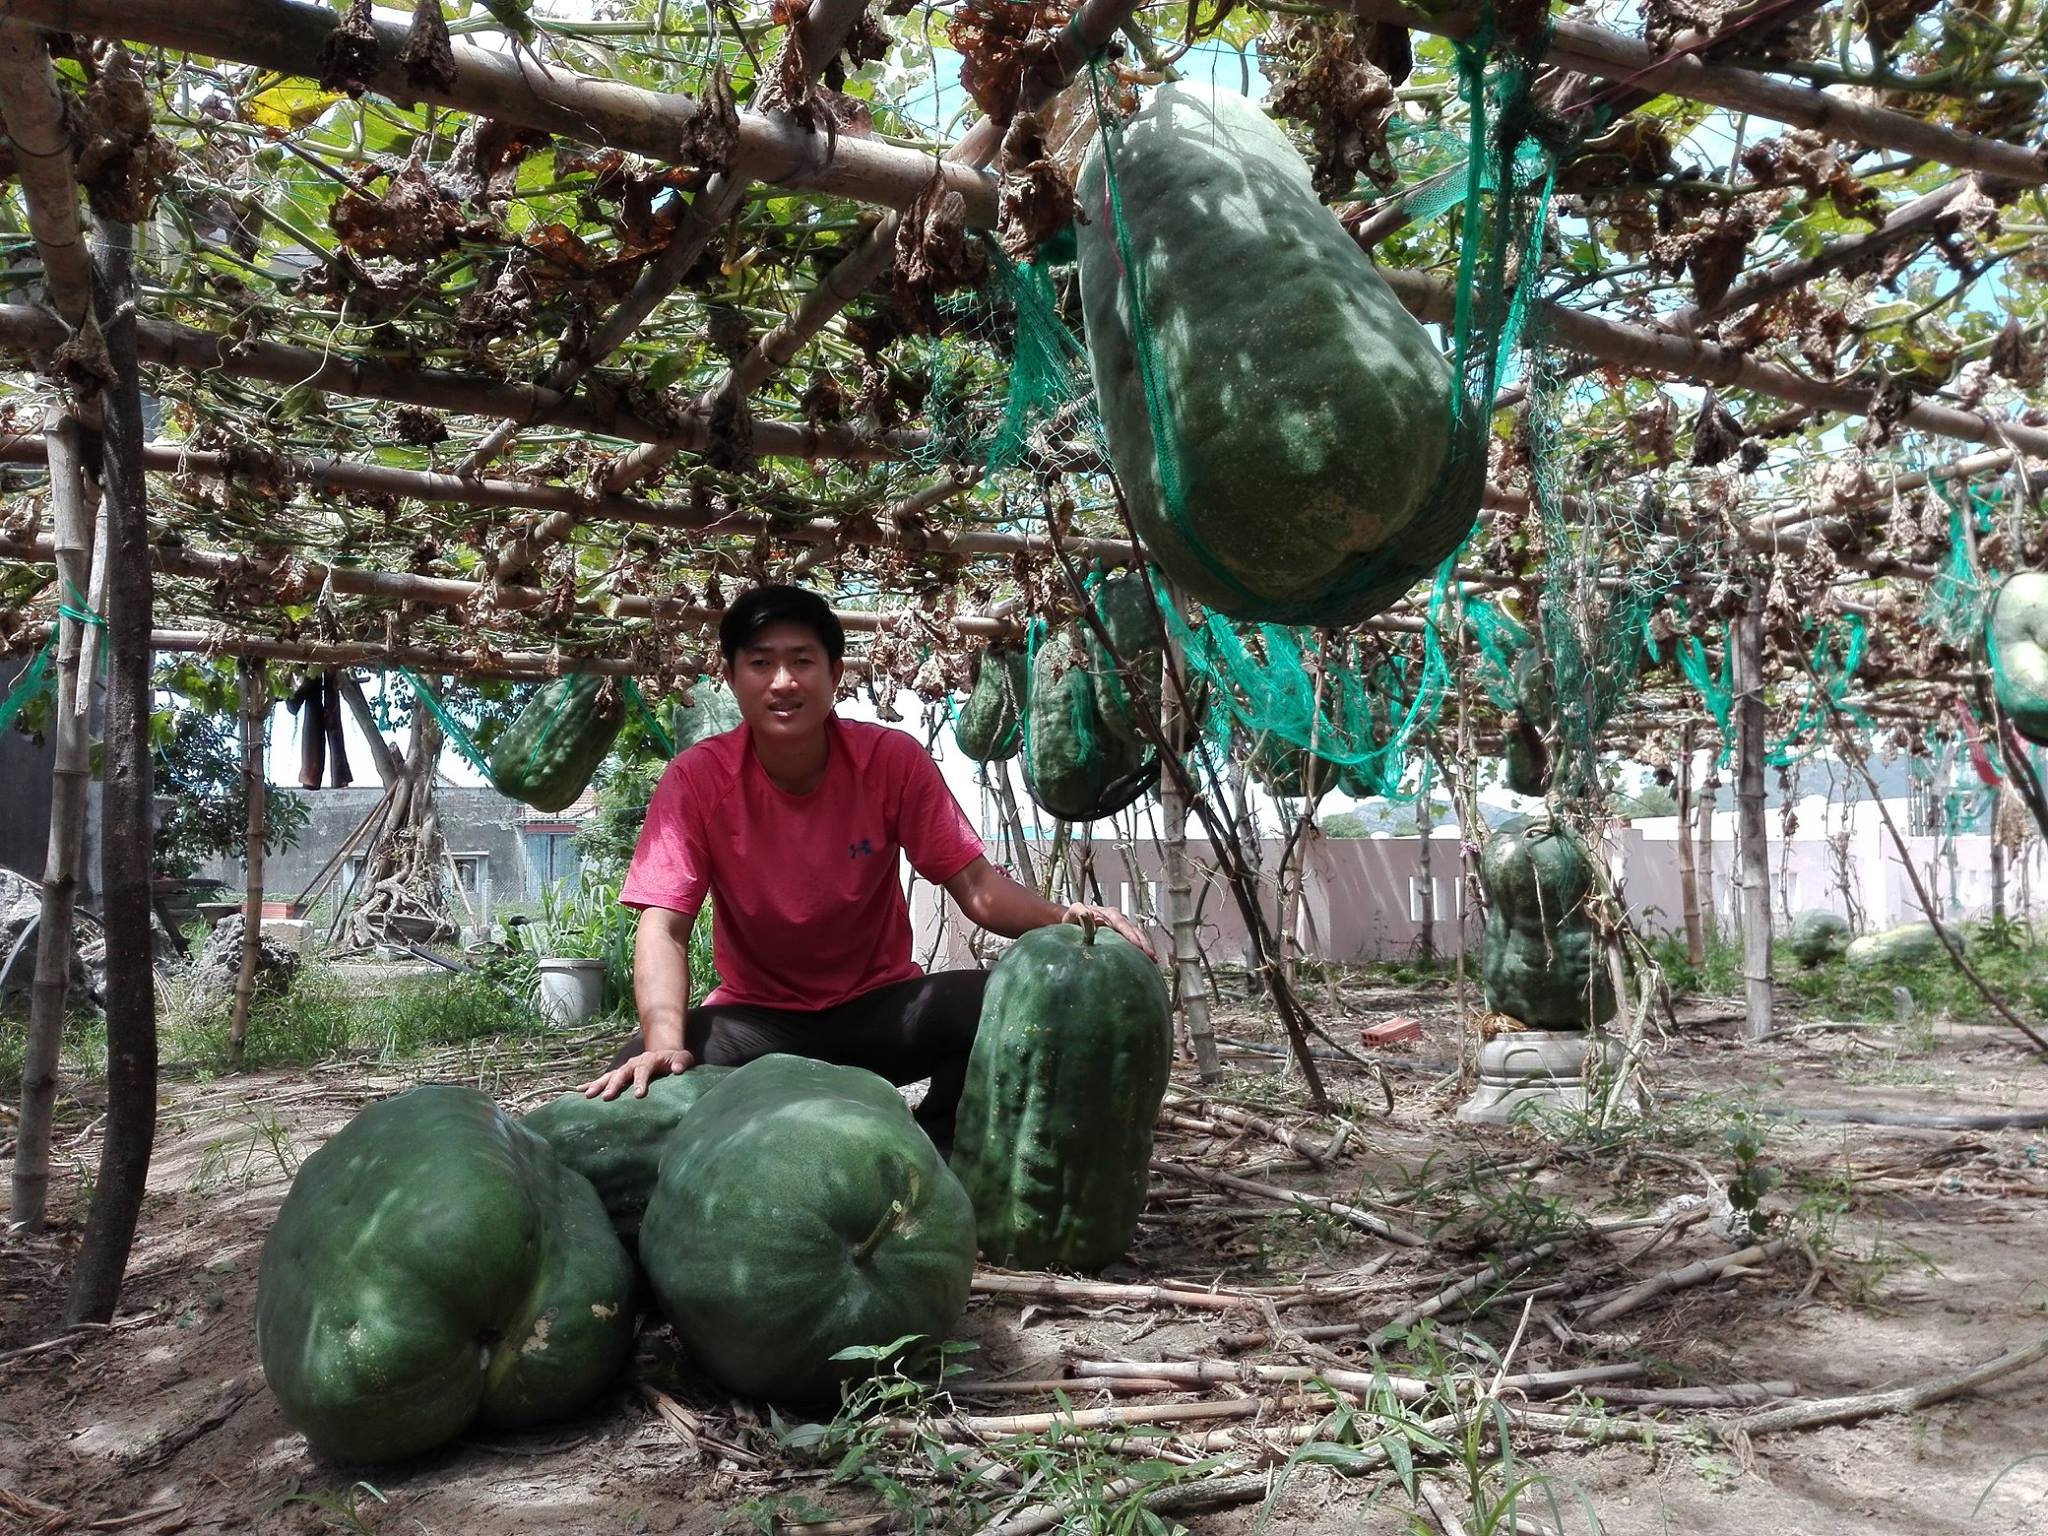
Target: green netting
x,y
1498,640
452,728
1958,605
1835,651
656,731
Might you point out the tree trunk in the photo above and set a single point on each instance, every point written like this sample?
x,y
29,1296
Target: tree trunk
x,y
1749,794
381,757
1997,878
1422,825
70,783
402,871
1688,876
255,742
125,800
1013,822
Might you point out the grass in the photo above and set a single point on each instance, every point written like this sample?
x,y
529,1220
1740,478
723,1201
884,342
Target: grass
x,y
328,1016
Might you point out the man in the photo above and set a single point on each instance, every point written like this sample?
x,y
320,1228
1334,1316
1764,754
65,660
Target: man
x,y
792,824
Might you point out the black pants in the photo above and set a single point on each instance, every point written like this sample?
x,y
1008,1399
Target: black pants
x,y
907,1031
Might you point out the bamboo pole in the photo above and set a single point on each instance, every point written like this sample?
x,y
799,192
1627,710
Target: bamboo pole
x,y
70,781
25,329
255,740
1688,875
288,38
1591,50
1749,797
325,475
102,1259
33,113
1650,351
448,592
1191,986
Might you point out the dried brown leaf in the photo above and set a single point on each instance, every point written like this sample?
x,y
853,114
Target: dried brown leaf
x,y
711,138
1324,77
349,54
1034,197
124,163
1000,42
428,57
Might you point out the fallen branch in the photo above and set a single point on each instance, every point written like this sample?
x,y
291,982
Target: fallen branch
x,y
1054,1288
1846,1410
1184,1373
1662,1284
1346,1213
980,1427
1295,1142
1495,1272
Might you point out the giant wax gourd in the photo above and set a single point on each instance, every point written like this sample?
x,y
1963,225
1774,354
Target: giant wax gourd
x,y
1054,1138
1542,962
2019,653
436,1265
547,755
1302,413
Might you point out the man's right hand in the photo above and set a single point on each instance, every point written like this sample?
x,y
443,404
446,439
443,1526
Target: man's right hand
x,y
639,1072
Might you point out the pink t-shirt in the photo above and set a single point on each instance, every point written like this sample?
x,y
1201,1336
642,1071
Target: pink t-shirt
x,y
810,911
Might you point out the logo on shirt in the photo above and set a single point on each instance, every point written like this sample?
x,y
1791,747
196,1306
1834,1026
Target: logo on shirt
x,y
859,849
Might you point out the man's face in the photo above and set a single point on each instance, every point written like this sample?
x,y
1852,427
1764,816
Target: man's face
x,y
784,683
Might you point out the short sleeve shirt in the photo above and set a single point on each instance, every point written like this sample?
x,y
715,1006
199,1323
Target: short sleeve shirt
x,y
809,903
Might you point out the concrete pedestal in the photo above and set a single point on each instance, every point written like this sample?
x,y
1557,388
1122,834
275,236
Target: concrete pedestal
x,y
1528,1070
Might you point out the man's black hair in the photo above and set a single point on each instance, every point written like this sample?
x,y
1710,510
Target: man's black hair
x,y
754,610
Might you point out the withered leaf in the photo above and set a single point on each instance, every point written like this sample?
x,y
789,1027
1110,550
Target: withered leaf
x,y
349,55
1716,436
711,138
934,253
1034,198
428,57
124,163
1000,42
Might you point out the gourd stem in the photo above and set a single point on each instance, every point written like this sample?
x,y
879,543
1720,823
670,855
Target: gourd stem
x,y
883,1228
1087,927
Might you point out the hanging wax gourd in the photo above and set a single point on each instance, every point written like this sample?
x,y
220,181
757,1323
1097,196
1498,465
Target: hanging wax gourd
x,y
989,727
710,711
547,755
1542,962
1286,461
1074,768
1530,753
2019,653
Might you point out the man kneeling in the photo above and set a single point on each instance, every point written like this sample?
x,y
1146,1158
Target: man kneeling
x,y
792,823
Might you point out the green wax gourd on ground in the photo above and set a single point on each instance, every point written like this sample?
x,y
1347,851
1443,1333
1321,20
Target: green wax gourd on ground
x,y
434,1265
1542,962
989,727
1307,412
1818,936
547,755
1054,1136
1907,944
617,1143
2019,653
800,1211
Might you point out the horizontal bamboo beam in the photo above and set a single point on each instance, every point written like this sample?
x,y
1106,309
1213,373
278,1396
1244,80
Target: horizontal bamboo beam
x,y
443,489
33,114
287,37
283,568
1591,50
1658,352
26,330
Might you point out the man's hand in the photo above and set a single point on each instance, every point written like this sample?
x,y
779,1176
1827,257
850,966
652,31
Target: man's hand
x,y
640,1071
1113,920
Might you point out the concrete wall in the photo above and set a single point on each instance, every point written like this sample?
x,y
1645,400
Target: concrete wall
x,y
474,822
1361,897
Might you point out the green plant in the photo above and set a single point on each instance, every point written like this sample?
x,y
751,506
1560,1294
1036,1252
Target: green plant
x,y
195,747
1753,1178
1054,1137
339,1508
435,1264
238,1160
801,1211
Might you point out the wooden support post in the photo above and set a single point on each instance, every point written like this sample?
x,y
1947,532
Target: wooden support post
x,y
255,744
71,778
1688,876
1191,987
1749,796
1428,893
1710,925
102,1260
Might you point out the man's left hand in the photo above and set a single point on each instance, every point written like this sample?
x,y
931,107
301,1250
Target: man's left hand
x,y
1113,920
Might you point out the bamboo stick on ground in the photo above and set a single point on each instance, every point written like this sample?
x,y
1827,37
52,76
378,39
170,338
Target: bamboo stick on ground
x,y
972,1427
1697,1273
1294,1141
1376,1225
1186,1373
1844,1410
1055,1288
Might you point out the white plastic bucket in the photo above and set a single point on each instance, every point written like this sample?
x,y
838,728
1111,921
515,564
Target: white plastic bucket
x,y
571,990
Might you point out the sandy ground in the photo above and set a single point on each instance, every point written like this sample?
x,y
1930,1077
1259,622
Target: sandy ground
x,y
1921,1251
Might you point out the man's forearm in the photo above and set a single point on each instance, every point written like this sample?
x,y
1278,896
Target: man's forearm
x,y
661,981
1004,907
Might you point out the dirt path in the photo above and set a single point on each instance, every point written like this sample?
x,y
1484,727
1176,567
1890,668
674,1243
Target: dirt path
x,y
1916,1252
